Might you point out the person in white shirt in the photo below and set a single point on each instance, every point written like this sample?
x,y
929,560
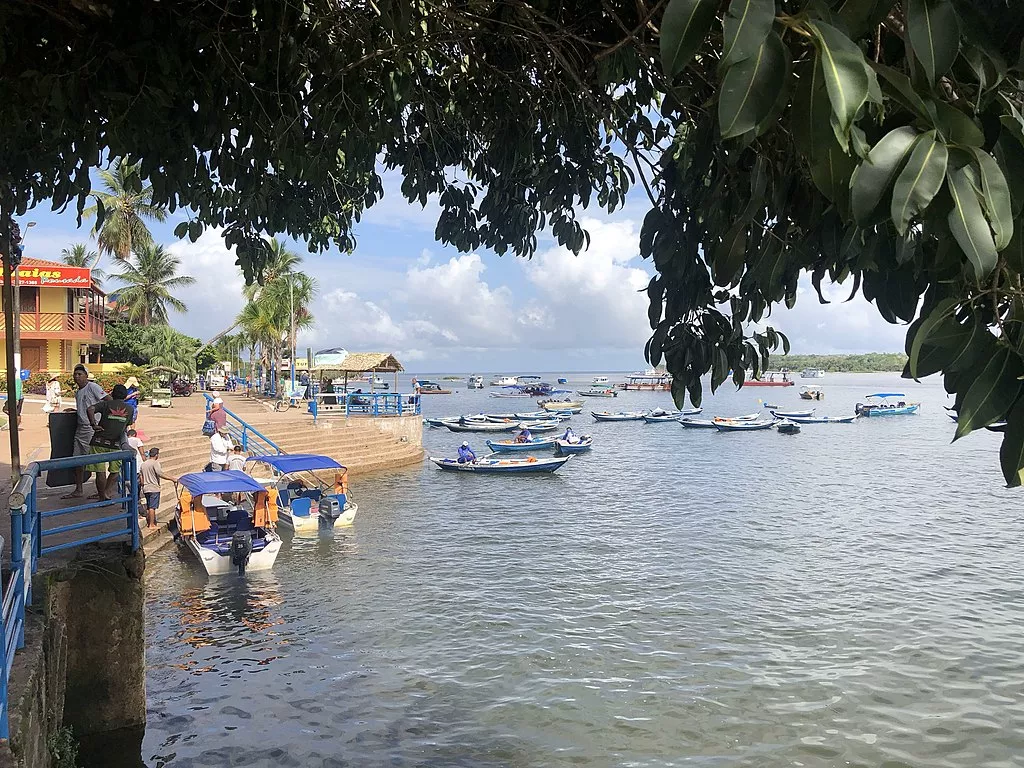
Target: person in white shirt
x,y
54,401
237,459
220,446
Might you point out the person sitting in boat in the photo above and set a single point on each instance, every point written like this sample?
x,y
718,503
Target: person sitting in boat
x,y
524,436
466,455
570,436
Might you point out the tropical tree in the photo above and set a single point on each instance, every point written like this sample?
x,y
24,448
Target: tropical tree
x,y
79,255
280,261
127,204
149,281
872,142
171,349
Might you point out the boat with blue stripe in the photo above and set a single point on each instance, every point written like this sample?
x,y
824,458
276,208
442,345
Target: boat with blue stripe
x,y
495,466
512,446
305,502
883,407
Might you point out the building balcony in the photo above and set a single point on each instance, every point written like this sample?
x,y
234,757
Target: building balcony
x,y
77,326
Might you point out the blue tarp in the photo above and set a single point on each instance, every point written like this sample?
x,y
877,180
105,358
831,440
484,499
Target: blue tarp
x,y
286,463
888,394
228,481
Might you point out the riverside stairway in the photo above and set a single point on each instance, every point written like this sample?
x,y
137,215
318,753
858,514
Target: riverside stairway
x,y
357,443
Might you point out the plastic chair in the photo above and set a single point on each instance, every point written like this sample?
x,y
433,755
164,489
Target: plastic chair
x,y
301,506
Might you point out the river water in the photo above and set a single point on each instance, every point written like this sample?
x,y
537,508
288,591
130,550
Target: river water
x,y
850,595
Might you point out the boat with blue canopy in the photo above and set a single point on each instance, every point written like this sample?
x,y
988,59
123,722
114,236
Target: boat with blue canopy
x,y
305,501
227,520
883,407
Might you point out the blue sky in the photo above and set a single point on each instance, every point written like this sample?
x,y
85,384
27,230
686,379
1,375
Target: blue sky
x,y
441,310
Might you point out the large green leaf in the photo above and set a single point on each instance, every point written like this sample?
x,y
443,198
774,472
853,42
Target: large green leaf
x,y
831,173
750,87
728,258
934,34
874,176
955,127
997,198
862,15
919,180
902,90
846,74
1011,452
928,331
809,117
989,397
968,224
746,25
683,28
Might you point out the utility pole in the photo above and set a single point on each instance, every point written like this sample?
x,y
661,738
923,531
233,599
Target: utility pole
x,y
10,264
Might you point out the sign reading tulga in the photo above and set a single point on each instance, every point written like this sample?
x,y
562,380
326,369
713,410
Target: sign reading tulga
x,y
61,277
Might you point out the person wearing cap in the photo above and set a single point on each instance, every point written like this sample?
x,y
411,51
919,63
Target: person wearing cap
x,y
89,393
220,447
54,401
132,385
466,455
217,414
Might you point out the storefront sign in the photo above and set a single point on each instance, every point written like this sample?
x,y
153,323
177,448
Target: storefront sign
x,y
57,277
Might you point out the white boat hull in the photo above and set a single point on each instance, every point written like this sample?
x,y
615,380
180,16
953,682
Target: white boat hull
x,y
221,565
311,523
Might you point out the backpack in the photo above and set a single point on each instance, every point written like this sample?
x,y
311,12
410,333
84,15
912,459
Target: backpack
x,y
209,428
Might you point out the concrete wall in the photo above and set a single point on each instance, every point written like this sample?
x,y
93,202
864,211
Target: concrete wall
x,y
83,664
405,428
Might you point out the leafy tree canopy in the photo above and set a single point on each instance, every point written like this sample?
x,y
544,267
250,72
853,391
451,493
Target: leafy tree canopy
x,y
879,142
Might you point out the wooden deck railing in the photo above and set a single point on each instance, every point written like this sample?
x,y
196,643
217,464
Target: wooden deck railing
x,y
61,322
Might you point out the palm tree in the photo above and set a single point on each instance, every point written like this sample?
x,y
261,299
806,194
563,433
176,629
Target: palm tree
x,y
170,349
127,204
148,282
265,325
280,262
79,255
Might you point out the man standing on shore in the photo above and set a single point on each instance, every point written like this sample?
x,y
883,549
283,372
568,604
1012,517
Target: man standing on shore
x,y
152,474
114,415
89,393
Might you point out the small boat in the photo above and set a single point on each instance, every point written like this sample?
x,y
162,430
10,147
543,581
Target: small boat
x,y
463,425
599,381
621,416
597,393
691,411
511,446
659,416
788,414
431,388
650,380
516,394
884,407
563,381
225,536
748,417
787,427
475,382
691,423
769,405
812,373
541,426
823,419
560,405
812,393
306,503
723,425
494,466
504,381
768,383
566,447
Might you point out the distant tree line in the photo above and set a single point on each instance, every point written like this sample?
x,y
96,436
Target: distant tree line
x,y
873,362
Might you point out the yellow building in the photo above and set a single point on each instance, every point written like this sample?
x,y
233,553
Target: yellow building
x,y
61,316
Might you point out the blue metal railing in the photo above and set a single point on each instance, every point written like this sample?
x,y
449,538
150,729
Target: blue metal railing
x,y
28,536
253,442
364,404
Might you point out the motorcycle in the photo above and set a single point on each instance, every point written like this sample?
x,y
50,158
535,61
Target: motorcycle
x,y
182,388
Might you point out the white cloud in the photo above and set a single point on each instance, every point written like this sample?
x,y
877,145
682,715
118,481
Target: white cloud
x,y
215,299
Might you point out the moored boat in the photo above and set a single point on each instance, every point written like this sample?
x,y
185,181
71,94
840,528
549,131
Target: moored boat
x,y
788,414
768,383
650,380
464,425
812,393
494,466
823,419
660,416
787,427
748,417
724,425
511,446
597,392
884,408
504,381
620,416
225,536
425,387
305,502
565,447
560,405
812,373
691,423
475,382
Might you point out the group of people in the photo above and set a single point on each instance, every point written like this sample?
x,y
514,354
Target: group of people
x,y
104,426
466,455
224,454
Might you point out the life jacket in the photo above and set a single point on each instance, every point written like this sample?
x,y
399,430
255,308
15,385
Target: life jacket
x,y
193,516
266,508
341,483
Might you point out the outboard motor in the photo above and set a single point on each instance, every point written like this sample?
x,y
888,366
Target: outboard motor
x,y
859,409
241,548
330,510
